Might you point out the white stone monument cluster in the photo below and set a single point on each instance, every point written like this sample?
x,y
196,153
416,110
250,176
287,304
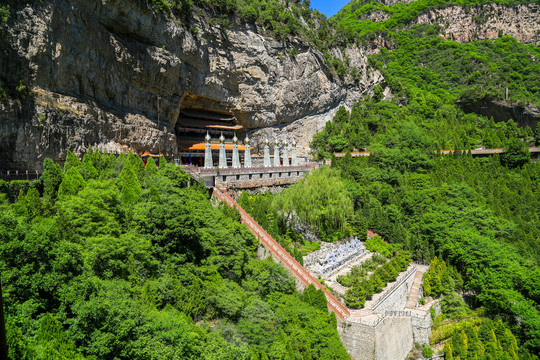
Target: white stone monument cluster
x,y
285,147
222,164
331,256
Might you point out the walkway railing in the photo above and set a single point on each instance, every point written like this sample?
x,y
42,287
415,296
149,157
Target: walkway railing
x,y
398,283
533,149
403,313
251,170
19,175
283,256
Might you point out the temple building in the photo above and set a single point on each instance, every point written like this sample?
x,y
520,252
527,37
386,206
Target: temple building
x,y
195,126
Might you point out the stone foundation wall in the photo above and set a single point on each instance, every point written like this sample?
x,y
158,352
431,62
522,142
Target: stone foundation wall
x,y
393,338
258,179
421,326
396,298
358,339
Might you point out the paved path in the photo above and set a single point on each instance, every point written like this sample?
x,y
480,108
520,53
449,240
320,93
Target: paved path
x,y
412,300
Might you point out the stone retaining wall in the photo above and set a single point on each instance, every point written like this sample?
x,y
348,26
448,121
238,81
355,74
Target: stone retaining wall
x,y
358,339
393,338
396,298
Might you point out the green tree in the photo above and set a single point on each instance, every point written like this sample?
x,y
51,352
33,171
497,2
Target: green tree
x,y
33,203
315,297
150,168
72,183
515,153
52,178
71,161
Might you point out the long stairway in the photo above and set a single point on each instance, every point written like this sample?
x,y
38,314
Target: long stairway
x,y
280,254
412,300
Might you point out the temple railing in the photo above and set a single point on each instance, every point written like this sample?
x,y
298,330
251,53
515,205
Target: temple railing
x,y
249,170
390,290
9,175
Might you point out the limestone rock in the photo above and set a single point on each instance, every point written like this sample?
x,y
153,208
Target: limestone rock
x,y
487,21
95,70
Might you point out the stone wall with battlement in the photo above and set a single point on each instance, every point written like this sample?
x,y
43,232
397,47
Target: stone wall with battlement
x,y
390,338
331,257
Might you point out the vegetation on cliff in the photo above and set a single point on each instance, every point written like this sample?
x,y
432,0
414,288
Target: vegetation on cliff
x,y
108,259
399,15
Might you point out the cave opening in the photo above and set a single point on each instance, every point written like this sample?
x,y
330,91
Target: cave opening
x,y
199,116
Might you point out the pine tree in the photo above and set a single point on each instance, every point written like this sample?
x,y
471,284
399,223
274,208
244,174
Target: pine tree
x,y
447,350
33,203
154,194
136,165
73,182
150,168
131,187
87,169
52,178
71,161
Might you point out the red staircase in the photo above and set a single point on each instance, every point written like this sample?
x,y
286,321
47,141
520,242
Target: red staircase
x,y
283,256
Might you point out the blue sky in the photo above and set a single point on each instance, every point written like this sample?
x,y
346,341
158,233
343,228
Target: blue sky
x,y
328,7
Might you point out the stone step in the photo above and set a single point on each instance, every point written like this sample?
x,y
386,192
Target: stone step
x,y
360,312
414,294
337,287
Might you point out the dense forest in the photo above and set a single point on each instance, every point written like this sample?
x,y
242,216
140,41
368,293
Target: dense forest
x,y
480,215
109,259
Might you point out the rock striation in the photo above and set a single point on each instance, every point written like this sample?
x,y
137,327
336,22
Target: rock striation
x,y
489,21
94,70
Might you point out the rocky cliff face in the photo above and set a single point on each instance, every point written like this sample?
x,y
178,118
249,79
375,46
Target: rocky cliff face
x,y
94,70
463,24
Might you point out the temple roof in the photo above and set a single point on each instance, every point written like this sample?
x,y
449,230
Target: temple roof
x,y
201,114
146,153
207,124
213,146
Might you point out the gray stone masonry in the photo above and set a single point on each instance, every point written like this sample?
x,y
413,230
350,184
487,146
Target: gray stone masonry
x,y
285,155
208,161
421,326
235,157
276,155
222,156
247,154
267,155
